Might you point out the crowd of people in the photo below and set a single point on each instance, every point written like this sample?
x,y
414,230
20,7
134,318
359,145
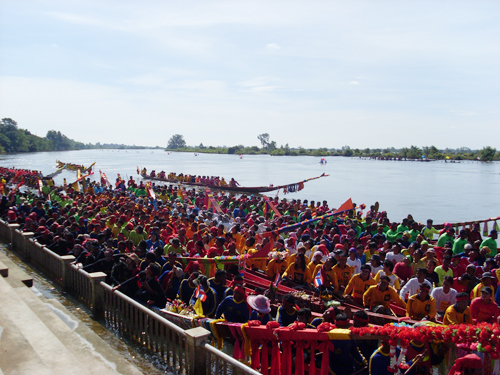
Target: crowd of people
x,y
366,260
181,177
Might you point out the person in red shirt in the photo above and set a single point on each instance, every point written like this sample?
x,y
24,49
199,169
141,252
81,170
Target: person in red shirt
x,y
461,283
483,309
455,266
403,269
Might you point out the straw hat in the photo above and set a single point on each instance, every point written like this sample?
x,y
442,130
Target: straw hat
x,y
260,303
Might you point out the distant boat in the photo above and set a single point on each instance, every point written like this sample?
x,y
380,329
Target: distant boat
x,y
323,161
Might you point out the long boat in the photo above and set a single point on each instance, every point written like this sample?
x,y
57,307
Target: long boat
x,y
73,167
289,188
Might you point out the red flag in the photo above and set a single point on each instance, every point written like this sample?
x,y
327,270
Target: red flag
x,y
262,253
273,207
346,206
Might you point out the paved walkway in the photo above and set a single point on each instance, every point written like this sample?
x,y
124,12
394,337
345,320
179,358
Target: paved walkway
x,y
40,336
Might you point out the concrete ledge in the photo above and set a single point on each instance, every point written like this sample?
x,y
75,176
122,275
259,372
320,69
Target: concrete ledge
x,y
4,270
17,277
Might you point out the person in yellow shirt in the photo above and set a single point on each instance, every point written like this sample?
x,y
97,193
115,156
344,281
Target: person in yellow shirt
x,y
297,273
459,313
343,270
330,282
316,260
358,285
382,295
300,250
486,280
277,264
421,306
387,271
255,264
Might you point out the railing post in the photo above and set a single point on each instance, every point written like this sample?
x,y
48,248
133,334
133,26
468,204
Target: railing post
x,y
12,228
97,300
4,231
25,250
196,338
66,261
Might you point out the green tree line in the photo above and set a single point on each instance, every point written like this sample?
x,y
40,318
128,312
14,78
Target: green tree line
x,y
178,143
16,140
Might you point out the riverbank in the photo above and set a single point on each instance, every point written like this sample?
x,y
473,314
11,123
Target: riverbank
x,y
413,153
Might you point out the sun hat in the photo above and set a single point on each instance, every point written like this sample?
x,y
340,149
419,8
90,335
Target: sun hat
x,y
259,303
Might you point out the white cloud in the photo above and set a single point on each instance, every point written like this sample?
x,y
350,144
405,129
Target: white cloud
x,y
273,46
354,83
260,84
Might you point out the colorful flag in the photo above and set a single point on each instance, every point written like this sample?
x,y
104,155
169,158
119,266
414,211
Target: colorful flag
x,y
212,201
200,293
277,280
318,280
265,209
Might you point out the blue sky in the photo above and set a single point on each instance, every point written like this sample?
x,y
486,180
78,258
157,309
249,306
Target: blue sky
x,y
312,74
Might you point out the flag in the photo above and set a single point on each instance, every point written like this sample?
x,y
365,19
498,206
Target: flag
x,y
273,207
212,201
200,294
265,209
264,252
150,191
277,280
138,170
318,280
346,206
198,308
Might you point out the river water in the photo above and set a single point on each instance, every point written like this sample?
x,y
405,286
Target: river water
x,y
445,192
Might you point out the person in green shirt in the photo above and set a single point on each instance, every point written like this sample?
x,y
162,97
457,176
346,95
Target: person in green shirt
x,y
428,231
403,227
445,237
137,235
444,269
460,242
393,234
414,232
491,243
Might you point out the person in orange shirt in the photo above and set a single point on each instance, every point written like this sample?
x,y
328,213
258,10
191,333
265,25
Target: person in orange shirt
x,y
343,270
358,285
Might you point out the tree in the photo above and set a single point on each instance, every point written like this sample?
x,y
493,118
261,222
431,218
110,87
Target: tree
x,y
176,141
414,152
488,153
59,141
404,152
264,139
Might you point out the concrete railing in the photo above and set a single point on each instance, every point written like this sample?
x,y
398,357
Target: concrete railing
x,y
185,351
86,287
5,233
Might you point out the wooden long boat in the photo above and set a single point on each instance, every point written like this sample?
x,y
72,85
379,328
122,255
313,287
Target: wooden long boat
x,y
289,188
156,178
73,167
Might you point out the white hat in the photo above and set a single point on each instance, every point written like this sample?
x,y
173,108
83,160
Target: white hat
x,y
260,303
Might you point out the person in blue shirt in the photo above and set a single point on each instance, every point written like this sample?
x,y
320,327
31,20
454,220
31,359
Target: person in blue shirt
x,y
218,283
287,313
328,317
209,305
235,307
380,360
187,288
261,306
